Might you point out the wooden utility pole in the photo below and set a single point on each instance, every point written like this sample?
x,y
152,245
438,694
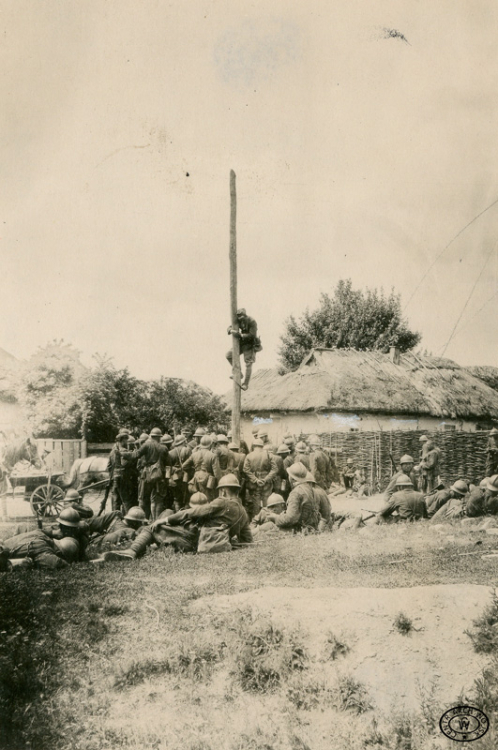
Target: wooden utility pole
x,y
236,372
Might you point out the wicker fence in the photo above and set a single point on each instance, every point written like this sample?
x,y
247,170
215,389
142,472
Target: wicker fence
x,y
463,453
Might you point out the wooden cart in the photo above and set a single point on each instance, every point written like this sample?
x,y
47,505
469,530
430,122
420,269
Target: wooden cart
x,y
43,490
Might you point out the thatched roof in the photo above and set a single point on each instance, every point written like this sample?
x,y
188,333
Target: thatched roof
x,y
487,374
354,381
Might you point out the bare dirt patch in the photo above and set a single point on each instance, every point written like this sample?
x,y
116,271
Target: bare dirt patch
x,y
434,659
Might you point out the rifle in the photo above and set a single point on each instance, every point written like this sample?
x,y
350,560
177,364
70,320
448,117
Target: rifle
x,y
106,495
393,463
373,513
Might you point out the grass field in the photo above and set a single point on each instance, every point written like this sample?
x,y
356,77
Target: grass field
x,y
171,652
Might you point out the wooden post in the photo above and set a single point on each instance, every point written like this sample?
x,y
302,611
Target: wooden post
x,y
236,372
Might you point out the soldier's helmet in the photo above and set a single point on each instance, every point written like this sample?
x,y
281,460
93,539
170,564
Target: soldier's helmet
x,y
349,461
310,478
166,439
423,439
494,431
263,433
198,498
233,447
289,440
298,472
315,440
221,438
72,496
136,514
404,481
241,312
155,432
283,449
492,483
301,447
275,499
257,443
229,480
206,441
69,548
122,437
406,459
180,440
69,517
199,432
460,487
143,437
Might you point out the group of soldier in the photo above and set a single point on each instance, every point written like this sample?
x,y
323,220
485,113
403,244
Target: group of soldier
x,y
207,494
158,472
415,491
193,498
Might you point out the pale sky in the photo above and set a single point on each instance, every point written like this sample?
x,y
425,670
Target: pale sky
x,y
357,155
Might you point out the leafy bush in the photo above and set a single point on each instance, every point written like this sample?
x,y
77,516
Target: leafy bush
x,y
484,635
268,655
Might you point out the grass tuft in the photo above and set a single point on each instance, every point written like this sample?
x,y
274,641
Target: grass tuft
x,y
352,696
335,648
139,671
403,624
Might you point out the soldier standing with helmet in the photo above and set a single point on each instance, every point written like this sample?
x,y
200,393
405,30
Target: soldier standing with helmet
x,y
260,469
120,491
202,461
321,466
268,446
492,453
178,456
154,459
222,458
281,482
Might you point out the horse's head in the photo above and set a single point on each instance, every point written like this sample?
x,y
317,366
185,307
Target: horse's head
x,y
31,453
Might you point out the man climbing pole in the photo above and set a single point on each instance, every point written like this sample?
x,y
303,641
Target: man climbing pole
x,y
250,343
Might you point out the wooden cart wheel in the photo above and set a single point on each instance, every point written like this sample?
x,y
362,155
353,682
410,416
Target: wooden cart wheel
x,y
47,500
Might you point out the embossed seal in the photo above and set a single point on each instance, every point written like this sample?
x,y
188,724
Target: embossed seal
x,y
464,723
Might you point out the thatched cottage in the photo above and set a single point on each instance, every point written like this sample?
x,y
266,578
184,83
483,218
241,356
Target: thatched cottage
x,y
338,390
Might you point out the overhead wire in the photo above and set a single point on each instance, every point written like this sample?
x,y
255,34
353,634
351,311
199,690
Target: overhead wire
x,y
431,266
462,328
467,300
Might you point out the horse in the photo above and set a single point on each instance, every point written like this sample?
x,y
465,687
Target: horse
x,y
23,449
87,471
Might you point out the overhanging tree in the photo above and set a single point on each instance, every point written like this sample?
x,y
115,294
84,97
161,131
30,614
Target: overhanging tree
x,y
62,398
349,318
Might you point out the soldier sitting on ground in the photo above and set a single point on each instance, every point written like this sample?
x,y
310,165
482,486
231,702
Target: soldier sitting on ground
x,y
226,511
407,468
438,499
481,501
112,529
409,505
275,504
73,499
301,513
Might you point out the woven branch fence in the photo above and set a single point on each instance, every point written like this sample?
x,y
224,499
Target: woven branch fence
x,y
463,453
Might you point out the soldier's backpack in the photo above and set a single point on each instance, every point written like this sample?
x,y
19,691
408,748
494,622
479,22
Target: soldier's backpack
x,y
213,539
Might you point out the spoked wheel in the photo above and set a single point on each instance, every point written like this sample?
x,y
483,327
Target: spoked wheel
x,y
47,500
